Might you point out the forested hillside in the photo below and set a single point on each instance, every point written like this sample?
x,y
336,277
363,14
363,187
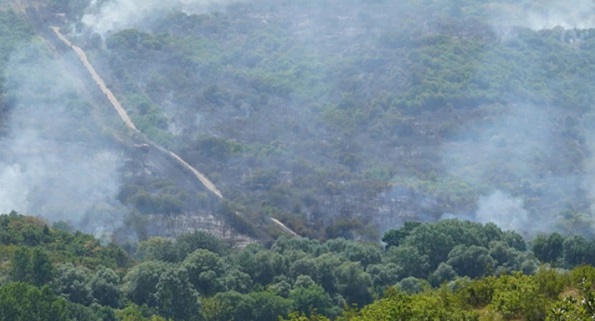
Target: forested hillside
x,y
337,118
292,160
449,270
344,118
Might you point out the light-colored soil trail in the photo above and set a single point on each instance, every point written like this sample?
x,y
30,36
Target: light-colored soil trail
x,y
284,228
110,96
126,119
124,115
203,179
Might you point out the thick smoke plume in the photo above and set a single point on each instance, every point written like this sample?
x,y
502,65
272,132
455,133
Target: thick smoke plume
x,y
54,164
115,15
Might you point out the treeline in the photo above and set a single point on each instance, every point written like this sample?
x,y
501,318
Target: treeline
x,y
447,269
546,295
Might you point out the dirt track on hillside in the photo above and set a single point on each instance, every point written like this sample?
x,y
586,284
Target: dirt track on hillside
x,y
124,115
98,80
130,124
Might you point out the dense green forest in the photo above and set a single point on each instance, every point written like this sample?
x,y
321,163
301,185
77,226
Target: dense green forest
x,y
448,270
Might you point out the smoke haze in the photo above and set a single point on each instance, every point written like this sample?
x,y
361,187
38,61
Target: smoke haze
x,y
112,16
507,212
549,14
515,152
54,164
510,160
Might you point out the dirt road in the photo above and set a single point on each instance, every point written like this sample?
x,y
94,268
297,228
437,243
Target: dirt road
x,y
284,228
203,179
126,119
124,115
98,80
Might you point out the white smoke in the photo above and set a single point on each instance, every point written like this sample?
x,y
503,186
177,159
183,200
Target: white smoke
x,y
589,176
514,151
509,142
54,165
545,14
115,15
507,212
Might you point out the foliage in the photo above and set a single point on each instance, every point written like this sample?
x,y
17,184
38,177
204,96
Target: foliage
x,y
175,296
197,277
334,120
21,301
344,95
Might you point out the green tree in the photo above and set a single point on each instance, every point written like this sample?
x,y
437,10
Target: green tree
x,y
190,242
397,236
266,306
577,250
366,254
73,283
20,265
310,298
354,283
282,288
548,249
412,285
134,313
42,269
140,283
105,287
505,257
515,240
175,296
285,244
20,301
227,306
430,241
410,260
443,273
473,261
236,280
159,249
204,269
260,264
384,275
303,266
326,271
511,298
296,316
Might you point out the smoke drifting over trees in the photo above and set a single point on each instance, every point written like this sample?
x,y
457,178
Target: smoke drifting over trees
x,y
337,118
105,16
539,15
54,163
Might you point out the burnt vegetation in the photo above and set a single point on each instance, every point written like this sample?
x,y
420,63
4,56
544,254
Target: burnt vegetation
x,y
369,128
342,118
345,118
